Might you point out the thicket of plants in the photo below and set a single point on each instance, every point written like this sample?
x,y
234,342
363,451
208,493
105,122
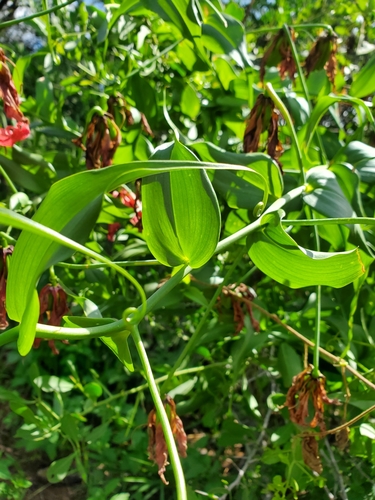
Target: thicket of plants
x,y
187,249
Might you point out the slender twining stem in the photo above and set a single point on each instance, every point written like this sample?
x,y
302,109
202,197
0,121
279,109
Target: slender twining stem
x,y
282,108
194,338
295,27
121,263
370,221
162,415
315,372
12,22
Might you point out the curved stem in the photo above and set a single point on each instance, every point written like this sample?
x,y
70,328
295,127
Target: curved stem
x,y
120,263
12,22
295,27
162,415
282,108
304,86
8,180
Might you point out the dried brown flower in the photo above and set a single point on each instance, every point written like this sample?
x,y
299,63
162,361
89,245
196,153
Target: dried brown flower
x,y
103,137
323,55
236,293
306,387
263,118
53,306
310,453
279,53
157,447
4,253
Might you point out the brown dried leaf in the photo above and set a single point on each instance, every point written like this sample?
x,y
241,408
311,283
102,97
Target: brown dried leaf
x,y
310,453
323,55
145,125
279,53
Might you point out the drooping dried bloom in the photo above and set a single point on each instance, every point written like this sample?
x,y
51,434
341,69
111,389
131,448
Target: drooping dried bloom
x,y
263,118
102,140
304,388
157,447
4,253
11,103
310,453
121,112
53,306
323,55
279,53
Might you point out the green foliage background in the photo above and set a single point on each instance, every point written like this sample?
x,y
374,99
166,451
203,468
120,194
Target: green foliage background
x,y
192,68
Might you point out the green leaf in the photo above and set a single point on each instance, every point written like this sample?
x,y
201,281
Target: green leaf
x,y
29,320
181,216
364,82
322,107
278,256
289,363
58,469
119,346
93,390
51,383
190,103
63,204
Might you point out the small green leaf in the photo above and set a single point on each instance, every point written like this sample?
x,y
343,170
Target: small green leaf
x,y
93,390
289,363
52,383
119,346
364,82
278,256
58,469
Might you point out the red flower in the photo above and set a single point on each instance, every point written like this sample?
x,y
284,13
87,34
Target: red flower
x,y
4,252
112,230
12,134
132,200
53,306
11,102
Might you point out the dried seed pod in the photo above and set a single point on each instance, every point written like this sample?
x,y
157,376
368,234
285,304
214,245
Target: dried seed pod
x,y
263,118
310,453
279,53
157,446
323,55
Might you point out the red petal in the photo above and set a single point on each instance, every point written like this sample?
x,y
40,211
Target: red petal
x,y
10,135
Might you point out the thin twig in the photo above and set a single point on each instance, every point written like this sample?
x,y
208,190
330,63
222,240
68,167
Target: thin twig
x,y
337,472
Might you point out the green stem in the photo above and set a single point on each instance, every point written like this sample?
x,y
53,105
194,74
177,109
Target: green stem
x,y
315,372
304,86
121,263
281,106
162,415
12,22
330,222
8,180
140,388
193,339
295,27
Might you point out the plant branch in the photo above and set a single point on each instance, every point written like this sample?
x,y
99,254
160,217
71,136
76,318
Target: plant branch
x,y
162,415
7,24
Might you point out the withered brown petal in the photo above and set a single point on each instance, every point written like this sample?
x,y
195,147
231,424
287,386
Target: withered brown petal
x,y
310,453
342,438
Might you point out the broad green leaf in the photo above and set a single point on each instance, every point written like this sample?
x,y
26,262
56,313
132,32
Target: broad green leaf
x,y
181,217
289,363
362,157
278,256
364,82
58,469
190,103
63,204
264,173
119,346
322,107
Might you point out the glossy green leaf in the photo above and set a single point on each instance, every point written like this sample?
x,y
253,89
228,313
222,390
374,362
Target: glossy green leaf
x,y
364,82
60,211
181,217
322,107
278,256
